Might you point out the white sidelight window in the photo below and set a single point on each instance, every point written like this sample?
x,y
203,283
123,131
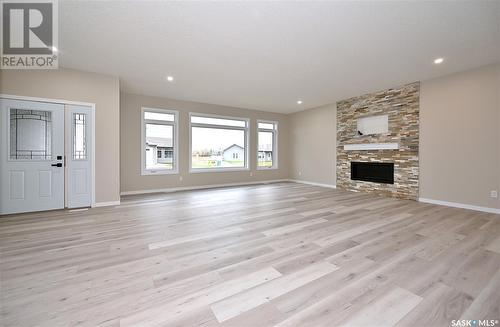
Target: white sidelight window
x,y
159,141
218,143
267,144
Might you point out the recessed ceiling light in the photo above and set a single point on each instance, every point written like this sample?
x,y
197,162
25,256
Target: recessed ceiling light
x,y
170,78
437,61
299,102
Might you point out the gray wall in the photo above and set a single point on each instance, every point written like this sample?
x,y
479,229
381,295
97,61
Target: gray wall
x,y
313,139
459,139
460,123
130,121
74,85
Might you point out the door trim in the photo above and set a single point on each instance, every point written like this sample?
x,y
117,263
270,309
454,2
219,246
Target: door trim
x,y
92,127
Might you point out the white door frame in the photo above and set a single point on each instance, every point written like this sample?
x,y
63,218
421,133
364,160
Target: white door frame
x,y
92,127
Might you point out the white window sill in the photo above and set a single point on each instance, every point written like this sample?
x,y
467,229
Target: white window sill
x,y
159,172
216,170
267,168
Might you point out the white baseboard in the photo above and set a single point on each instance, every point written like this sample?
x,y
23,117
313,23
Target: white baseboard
x,y
460,205
106,204
313,183
199,187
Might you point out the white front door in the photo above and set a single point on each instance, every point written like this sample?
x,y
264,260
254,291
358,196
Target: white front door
x,y
78,156
31,156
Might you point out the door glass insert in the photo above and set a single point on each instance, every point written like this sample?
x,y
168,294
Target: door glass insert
x,y
30,134
79,137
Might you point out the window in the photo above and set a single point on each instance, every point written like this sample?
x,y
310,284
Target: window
x,y
218,143
267,145
79,137
159,135
30,134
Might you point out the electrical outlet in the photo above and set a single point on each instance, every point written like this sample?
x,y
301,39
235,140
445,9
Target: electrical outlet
x,y
251,173
180,178
494,194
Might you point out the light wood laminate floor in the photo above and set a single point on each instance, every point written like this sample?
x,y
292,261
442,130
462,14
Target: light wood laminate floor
x,y
280,254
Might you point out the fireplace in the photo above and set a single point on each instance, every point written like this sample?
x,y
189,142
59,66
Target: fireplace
x,y
378,172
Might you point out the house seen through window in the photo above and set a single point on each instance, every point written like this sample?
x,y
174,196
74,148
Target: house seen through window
x,y
218,142
267,144
159,136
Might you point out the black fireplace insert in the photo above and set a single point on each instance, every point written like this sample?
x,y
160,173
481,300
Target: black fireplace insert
x,y
378,172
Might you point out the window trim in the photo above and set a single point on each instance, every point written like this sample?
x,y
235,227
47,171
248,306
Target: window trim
x,y
246,131
175,143
275,143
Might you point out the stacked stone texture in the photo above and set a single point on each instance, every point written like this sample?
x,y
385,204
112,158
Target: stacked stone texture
x,y
402,107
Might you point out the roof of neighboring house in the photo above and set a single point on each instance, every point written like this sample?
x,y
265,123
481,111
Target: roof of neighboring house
x,y
232,146
163,142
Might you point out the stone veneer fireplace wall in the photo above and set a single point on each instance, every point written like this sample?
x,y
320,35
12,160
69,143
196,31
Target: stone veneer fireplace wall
x,y
402,107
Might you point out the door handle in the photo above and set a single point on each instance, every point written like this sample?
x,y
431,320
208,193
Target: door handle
x,y
57,164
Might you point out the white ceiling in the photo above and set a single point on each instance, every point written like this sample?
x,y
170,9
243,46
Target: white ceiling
x,y
267,55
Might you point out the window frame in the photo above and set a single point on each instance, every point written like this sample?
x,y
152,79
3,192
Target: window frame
x,y
246,147
275,143
175,142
